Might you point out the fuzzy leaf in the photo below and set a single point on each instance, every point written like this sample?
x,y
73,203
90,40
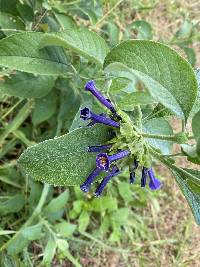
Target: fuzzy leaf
x,y
64,160
26,85
162,127
21,52
196,125
169,78
7,21
82,41
129,101
45,107
191,153
191,190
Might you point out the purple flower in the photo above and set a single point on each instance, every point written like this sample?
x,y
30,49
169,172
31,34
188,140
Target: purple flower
x,y
103,160
85,187
90,86
100,188
154,183
144,176
99,148
132,173
87,114
132,177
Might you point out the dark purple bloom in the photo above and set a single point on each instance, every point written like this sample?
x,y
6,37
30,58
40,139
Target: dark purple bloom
x,y
132,173
132,177
99,148
103,160
114,172
154,183
87,114
144,176
92,123
90,86
85,187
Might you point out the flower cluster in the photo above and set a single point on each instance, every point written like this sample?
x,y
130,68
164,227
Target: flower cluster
x,y
104,161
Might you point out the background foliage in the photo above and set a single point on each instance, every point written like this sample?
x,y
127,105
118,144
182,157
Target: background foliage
x,y
61,226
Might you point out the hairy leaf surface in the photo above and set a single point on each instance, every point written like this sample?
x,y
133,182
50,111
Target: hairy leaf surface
x,y
169,78
64,160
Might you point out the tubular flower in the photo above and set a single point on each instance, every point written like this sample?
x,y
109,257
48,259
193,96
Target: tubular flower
x,y
100,188
154,183
144,176
99,148
85,187
90,86
132,173
103,160
87,114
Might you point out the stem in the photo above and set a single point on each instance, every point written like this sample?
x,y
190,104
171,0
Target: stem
x,y
17,121
191,137
108,13
34,215
11,109
119,250
173,155
138,116
161,137
173,167
183,126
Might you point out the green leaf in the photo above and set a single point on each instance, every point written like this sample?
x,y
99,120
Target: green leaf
x,y
198,147
62,245
191,153
21,52
82,41
120,217
190,53
112,31
169,78
104,203
49,251
128,102
26,12
45,107
7,232
11,204
23,238
125,191
185,30
66,22
162,127
196,106
191,191
57,203
65,229
7,21
9,6
83,221
196,125
143,28
16,85
64,160
32,232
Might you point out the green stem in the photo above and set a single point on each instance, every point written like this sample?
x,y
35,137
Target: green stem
x,y
173,167
108,13
17,121
174,155
138,114
34,215
161,137
11,109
